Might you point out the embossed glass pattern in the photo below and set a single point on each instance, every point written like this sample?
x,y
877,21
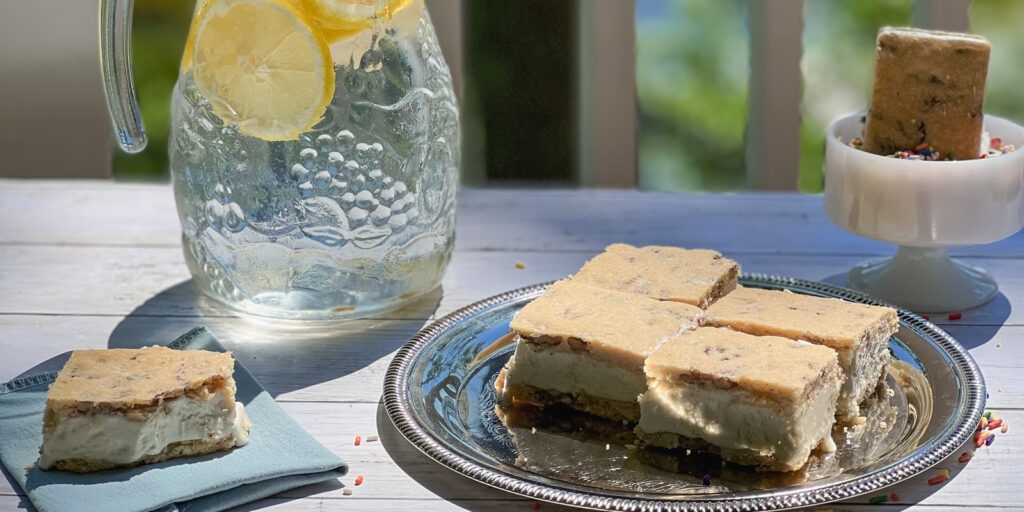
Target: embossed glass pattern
x,y
439,393
351,217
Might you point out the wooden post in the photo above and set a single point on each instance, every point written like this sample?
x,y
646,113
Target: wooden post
x,y
607,94
53,120
948,15
773,128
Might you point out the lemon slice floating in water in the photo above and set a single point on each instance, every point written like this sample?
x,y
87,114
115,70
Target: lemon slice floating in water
x,y
341,19
263,65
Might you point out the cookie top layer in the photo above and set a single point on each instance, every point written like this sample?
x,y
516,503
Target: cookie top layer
x,y
127,378
598,319
768,365
692,276
828,321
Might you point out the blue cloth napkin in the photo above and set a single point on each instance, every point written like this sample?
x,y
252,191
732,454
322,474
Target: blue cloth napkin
x,y
280,455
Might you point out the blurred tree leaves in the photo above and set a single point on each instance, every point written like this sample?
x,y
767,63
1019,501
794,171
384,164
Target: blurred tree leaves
x,y
692,74
158,38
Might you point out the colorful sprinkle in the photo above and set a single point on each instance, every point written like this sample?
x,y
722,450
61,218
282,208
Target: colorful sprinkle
x,y
536,505
926,317
878,499
347,491
1004,428
707,480
359,440
894,497
936,480
983,423
992,425
955,316
965,457
372,439
520,265
990,439
359,480
988,414
923,145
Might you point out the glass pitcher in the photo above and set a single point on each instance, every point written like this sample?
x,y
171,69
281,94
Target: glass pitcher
x,y
314,151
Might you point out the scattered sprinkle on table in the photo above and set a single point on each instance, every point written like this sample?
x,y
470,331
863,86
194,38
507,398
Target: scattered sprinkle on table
x,y
965,457
980,438
359,440
926,317
990,439
359,480
372,439
998,345
955,316
520,265
878,499
536,505
894,497
347,491
936,480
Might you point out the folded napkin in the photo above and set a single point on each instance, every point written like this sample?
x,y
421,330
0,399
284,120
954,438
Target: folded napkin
x,y
280,455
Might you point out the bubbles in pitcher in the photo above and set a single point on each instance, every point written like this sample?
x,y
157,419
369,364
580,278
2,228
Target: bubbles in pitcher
x,y
347,219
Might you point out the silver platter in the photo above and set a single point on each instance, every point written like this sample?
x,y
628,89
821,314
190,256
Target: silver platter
x,y
439,393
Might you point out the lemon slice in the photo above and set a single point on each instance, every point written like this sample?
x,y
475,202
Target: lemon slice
x,y
190,43
263,65
341,19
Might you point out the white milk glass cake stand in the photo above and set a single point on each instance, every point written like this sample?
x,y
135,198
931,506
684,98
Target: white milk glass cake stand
x,y
925,207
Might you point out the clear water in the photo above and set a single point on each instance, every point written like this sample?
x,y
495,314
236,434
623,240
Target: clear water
x,y
353,218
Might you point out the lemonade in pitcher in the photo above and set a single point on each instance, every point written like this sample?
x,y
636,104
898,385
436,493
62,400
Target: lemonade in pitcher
x,y
314,155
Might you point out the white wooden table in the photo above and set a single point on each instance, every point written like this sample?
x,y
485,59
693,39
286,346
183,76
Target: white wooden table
x,y
92,264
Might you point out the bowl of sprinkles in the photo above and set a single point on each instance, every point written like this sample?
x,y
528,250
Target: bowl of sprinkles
x,y
924,151
925,202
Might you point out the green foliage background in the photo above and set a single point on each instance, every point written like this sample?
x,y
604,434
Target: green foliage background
x,y
693,69
158,39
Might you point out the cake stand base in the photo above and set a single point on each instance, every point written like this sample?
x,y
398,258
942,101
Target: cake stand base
x,y
924,280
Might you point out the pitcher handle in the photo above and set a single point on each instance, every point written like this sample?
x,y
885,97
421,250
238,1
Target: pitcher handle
x,y
116,66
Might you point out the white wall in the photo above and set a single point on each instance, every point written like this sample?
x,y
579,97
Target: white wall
x,y
53,118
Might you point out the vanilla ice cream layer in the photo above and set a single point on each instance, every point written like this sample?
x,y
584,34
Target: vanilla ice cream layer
x,y
117,439
559,368
736,419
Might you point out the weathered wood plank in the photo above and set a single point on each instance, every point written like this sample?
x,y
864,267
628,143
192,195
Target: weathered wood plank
x,y
394,470
73,265
154,281
86,213
348,364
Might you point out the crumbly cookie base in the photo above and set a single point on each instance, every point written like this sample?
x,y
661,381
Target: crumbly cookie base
x,y
173,450
752,458
611,409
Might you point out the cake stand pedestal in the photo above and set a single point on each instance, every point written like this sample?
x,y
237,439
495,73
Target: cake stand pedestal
x,y
924,279
924,208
